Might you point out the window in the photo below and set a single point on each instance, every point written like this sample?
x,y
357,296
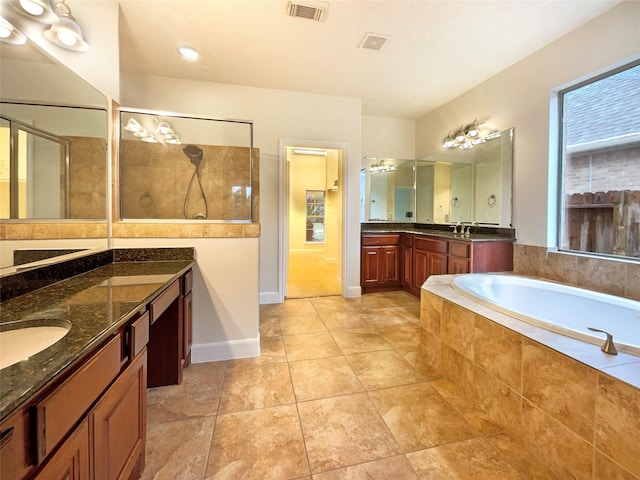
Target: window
x,y
600,168
315,216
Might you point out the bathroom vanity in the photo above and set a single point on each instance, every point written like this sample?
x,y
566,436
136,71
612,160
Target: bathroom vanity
x,y
405,258
77,409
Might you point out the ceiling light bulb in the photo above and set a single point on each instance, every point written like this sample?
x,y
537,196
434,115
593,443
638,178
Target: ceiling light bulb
x,y
32,8
141,133
188,53
150,139
5,31
460,136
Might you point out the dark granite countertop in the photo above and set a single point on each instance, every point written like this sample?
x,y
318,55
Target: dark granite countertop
x,y
472,237
96,303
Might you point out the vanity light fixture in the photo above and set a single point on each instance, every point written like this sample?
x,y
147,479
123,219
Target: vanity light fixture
x,y
467,137
40,10
10,34
380,165
161,132
65,32
189,53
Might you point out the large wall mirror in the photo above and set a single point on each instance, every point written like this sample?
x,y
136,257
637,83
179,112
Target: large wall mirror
x,y
53,152
449,186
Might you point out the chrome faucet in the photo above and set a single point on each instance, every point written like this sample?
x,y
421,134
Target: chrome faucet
x,y
455,227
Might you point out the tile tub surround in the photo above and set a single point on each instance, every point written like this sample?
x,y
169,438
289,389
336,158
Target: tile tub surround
x,y
618,277
574,407
94,306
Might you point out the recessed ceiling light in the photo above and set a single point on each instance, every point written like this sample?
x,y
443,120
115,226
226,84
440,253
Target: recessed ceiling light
x,y
188,53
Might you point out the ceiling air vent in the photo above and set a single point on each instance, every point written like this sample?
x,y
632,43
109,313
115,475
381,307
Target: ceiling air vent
x,y
315,11
374,41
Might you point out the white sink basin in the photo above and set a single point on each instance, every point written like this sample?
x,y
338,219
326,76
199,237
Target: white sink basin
x,y
21,343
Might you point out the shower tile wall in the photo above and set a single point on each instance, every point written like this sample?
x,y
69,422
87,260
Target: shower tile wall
x,y
87,177
155,178
615,277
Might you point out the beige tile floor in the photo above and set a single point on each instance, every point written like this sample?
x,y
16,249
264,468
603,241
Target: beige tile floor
x,y
338,393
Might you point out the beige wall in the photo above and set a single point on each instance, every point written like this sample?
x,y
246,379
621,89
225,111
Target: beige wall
x,y
520,97
388,137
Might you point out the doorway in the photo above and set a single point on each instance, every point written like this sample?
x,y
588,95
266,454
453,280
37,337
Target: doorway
x,y
314,221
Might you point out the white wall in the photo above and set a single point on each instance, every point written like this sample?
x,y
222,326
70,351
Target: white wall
x,y
388,137
276,114
225,293
520,97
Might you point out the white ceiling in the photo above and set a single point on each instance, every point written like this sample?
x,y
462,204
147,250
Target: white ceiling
x,y
438,49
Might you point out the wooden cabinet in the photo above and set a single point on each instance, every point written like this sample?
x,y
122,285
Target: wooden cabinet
x,y
395,261
170,335
380,263
429,258
118,422
187,319
406,259
72,460
459,257
15,441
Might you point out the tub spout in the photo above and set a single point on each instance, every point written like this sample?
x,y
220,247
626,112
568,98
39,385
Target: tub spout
x,y
607,346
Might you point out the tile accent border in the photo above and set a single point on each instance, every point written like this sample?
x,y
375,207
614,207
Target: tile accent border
x,y
565,401
618,277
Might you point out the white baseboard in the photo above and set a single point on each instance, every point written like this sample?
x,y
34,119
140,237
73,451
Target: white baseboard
x,y
354,292
270,297
217,351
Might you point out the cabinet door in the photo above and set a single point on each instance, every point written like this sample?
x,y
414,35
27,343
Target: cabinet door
x,y
187,330
420,267
458,265
15,446
437,264
118,423
390,267
407,266
370,267
71,462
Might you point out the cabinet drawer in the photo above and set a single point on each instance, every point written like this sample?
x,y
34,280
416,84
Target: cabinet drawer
x,y
430,245
59,411
138,335
188,282
380,240
460,249
162,301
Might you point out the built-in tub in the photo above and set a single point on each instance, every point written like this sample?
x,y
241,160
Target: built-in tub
x,y
557,307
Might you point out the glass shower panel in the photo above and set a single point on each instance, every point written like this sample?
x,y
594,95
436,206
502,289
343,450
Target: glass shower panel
x,y
178,167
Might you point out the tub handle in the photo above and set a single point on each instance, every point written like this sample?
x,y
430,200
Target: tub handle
x,y
607,346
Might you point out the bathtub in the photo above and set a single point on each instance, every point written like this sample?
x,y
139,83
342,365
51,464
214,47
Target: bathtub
x,y
556,307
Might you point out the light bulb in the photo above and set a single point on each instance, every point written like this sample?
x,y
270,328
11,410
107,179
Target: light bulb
x,y
188,53
32,8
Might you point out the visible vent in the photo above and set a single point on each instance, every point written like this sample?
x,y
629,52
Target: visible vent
x,y
311,10
374,41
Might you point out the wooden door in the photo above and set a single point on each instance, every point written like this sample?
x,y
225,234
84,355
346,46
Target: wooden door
x,y
390,267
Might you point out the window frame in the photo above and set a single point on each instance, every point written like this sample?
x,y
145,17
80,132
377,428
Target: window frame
x,y
560,147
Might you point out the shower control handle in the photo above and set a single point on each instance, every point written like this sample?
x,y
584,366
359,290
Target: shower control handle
x,y
607,346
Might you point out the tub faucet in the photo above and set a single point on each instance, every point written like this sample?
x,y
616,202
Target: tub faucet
x,y
607,346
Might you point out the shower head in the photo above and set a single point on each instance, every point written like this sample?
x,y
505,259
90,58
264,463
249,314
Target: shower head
x,y
194,153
